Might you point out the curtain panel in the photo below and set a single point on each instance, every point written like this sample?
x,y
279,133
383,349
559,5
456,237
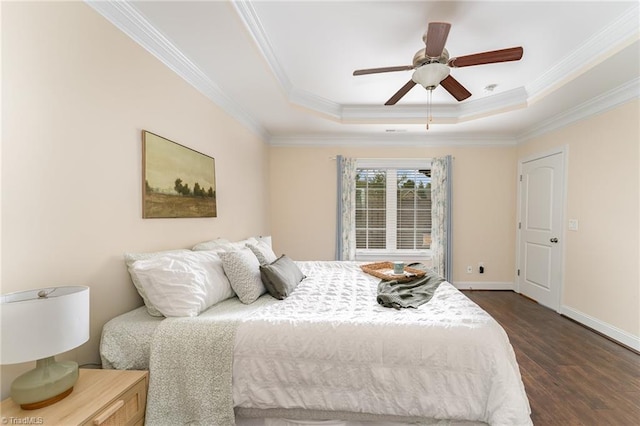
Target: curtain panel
x,y
346,208
441,187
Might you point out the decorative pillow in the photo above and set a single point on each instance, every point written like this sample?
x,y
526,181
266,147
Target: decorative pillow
x,y
263,252
281,277
183,284
243,269
130,258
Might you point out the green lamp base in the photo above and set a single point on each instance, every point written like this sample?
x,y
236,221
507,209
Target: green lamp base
x,y
47,384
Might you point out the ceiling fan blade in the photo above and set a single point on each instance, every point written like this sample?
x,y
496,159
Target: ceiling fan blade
x,y
384,69
435,38
503,55
456,89
400,93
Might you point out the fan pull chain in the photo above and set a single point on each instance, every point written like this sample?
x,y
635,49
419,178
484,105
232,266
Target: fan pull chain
x,y
430,115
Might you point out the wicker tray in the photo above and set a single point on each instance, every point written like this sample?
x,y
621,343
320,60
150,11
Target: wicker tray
x,y
384,271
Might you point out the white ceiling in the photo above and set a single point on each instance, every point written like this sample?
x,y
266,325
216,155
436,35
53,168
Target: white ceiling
x,y
284,68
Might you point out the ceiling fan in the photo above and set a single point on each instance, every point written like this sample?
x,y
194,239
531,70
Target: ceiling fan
x,y
432,64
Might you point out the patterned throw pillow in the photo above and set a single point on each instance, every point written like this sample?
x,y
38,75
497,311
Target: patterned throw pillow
x,y
243,270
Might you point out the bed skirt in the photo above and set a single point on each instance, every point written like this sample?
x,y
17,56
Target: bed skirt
x,y
298,417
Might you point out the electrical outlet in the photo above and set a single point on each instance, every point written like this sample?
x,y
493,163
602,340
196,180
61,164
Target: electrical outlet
x,y
469,269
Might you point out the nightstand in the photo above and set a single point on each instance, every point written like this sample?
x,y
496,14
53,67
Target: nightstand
x,y
99,397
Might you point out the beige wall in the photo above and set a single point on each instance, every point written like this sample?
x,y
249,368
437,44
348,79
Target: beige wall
x,y
76,93
303,204
601,280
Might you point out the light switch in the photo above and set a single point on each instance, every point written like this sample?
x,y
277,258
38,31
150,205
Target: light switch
x,y
573,224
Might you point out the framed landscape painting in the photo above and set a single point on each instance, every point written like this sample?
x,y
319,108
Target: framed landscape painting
x,y
177,181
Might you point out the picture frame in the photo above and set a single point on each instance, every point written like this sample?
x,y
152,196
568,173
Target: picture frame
x,y
177,181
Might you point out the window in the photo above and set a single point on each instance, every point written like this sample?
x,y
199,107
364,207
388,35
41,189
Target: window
x,y
393,207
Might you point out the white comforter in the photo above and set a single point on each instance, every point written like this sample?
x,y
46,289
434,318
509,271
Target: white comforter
x,y
330,346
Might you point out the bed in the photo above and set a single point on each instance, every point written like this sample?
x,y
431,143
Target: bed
x,y
327,354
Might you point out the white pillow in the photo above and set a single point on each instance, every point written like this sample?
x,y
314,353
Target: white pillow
x,y
263,252
183,284
219,244
266,239
243,269
130,258
237,245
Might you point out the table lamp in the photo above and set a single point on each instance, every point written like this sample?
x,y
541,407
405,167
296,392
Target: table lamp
x,y
37,325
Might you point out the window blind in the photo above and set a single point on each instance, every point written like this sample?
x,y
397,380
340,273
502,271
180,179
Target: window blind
x,y
393,209
371,209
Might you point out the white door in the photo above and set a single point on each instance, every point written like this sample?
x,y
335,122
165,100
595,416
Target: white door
x,y
540,251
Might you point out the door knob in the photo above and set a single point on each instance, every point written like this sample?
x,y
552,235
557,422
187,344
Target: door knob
x,y
554,240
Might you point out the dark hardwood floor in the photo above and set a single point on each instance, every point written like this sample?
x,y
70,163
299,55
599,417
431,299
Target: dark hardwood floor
x,y
572,375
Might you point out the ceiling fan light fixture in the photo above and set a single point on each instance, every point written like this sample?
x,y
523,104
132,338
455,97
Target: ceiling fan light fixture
x,y
430,75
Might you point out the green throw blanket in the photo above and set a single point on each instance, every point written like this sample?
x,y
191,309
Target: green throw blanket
x,y
411,294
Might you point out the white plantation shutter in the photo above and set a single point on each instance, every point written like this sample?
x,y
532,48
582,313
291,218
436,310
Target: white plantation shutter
x,y
393,206
413,209
371,209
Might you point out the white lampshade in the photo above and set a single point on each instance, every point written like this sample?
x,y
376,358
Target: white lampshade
x,y
430,75
41,323
37,325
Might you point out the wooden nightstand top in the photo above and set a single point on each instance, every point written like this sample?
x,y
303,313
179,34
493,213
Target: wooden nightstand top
x,y
94,391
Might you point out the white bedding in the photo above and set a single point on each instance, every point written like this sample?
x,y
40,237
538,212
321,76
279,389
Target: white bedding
x,y
330,347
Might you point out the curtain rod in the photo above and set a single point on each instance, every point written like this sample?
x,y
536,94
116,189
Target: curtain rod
x,y
385,158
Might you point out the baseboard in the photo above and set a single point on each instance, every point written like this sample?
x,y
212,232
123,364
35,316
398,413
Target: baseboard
x,y
610,331
625,338
483,285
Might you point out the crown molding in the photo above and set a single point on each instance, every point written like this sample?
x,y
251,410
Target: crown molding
x,y
315,103
613,38
616,36
491,105
398,114
368,113
449,114
124,16
598,105
251,21
605,102
419,141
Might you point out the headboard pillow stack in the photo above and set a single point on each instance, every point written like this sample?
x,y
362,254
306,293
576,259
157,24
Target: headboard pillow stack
x,y
177,283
